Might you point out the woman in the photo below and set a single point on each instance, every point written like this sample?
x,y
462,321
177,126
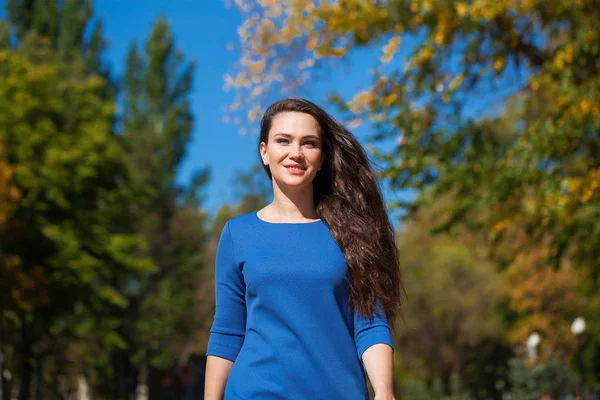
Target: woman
x,y
307,287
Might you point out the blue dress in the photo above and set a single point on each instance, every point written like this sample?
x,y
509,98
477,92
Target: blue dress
x,y
282,314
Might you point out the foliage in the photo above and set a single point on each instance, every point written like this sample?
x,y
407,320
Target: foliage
x,y
69,180
491,102
451,294
546,301
160,323
148,321
65,25
459,59
70,170
17,288
419,391
553,379
157,121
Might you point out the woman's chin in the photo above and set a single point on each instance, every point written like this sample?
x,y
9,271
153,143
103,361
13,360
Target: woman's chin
x,y
295,182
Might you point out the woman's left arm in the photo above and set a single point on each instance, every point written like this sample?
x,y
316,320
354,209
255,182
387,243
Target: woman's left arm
x,y
375,347
378,363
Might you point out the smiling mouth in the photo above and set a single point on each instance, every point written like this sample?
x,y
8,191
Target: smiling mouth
x,y
296,168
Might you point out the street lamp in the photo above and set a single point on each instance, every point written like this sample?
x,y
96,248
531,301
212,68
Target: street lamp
x,y
578,327
533,341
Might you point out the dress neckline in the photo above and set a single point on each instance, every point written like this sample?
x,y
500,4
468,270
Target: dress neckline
x,y
284,223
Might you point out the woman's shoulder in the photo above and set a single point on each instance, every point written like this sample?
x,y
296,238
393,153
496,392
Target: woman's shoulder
x,y
243,222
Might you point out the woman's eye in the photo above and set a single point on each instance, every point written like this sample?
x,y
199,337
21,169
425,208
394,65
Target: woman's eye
x,y
281,141
311,144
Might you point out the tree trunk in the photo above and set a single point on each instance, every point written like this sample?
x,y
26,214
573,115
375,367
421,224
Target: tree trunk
x,y
39,379
124,378
25,353
1,368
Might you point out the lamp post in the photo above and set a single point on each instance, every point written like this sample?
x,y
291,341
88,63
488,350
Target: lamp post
x,y
533,341
577,328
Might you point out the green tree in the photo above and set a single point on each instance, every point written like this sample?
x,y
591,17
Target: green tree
x,y
552,378
494,102
450,325
544,300
160,322
72,174
460,59
65,25
14,285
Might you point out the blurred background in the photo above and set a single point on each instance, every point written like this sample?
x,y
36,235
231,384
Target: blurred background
x,y
128,137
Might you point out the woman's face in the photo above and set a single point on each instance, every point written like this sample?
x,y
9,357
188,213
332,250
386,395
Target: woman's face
x,y
294,151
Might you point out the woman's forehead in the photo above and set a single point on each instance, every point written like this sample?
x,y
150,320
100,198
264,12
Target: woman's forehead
x,y
294,124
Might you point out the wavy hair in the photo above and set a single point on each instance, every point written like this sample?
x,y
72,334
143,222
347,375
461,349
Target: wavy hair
x,y
349,203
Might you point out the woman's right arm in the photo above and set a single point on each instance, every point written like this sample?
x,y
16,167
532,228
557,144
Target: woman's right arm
x,y
229,325
217,372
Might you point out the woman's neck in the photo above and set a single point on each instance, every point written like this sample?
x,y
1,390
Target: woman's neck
x,y
291,205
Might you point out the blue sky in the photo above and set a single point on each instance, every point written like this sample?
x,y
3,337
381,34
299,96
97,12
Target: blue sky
x,y
202,30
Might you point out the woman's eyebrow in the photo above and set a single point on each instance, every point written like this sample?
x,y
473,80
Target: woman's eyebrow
x,y
311,137
287,135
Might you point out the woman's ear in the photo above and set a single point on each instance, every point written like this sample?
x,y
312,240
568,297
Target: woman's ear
x,y
263,153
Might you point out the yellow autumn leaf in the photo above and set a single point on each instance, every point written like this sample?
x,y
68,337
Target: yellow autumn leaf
x,y
390,99
311,43
360,101
585,105
439,37
267,25
455,82
256,67
390,48
253,113
498,64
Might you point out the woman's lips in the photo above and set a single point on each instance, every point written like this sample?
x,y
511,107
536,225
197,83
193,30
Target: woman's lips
x,y
296,170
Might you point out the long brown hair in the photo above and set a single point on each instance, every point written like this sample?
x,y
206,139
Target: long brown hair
x,y
350,204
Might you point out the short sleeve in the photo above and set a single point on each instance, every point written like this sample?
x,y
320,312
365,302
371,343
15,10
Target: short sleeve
x,y
370,331
229,325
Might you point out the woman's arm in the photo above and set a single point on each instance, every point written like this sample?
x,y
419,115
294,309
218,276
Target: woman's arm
x,y
228,330
375,348
217,372
378,363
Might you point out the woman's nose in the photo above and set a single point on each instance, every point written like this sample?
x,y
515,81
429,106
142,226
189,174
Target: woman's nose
x,y
295,151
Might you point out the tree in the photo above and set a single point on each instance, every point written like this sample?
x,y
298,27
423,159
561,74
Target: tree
x,y
451,327
461,58
492,102
14,285
65,25
545,301
71,173
552,379
160,323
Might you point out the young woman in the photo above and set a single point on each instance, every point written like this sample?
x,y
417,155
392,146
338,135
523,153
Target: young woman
x,y
307,287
